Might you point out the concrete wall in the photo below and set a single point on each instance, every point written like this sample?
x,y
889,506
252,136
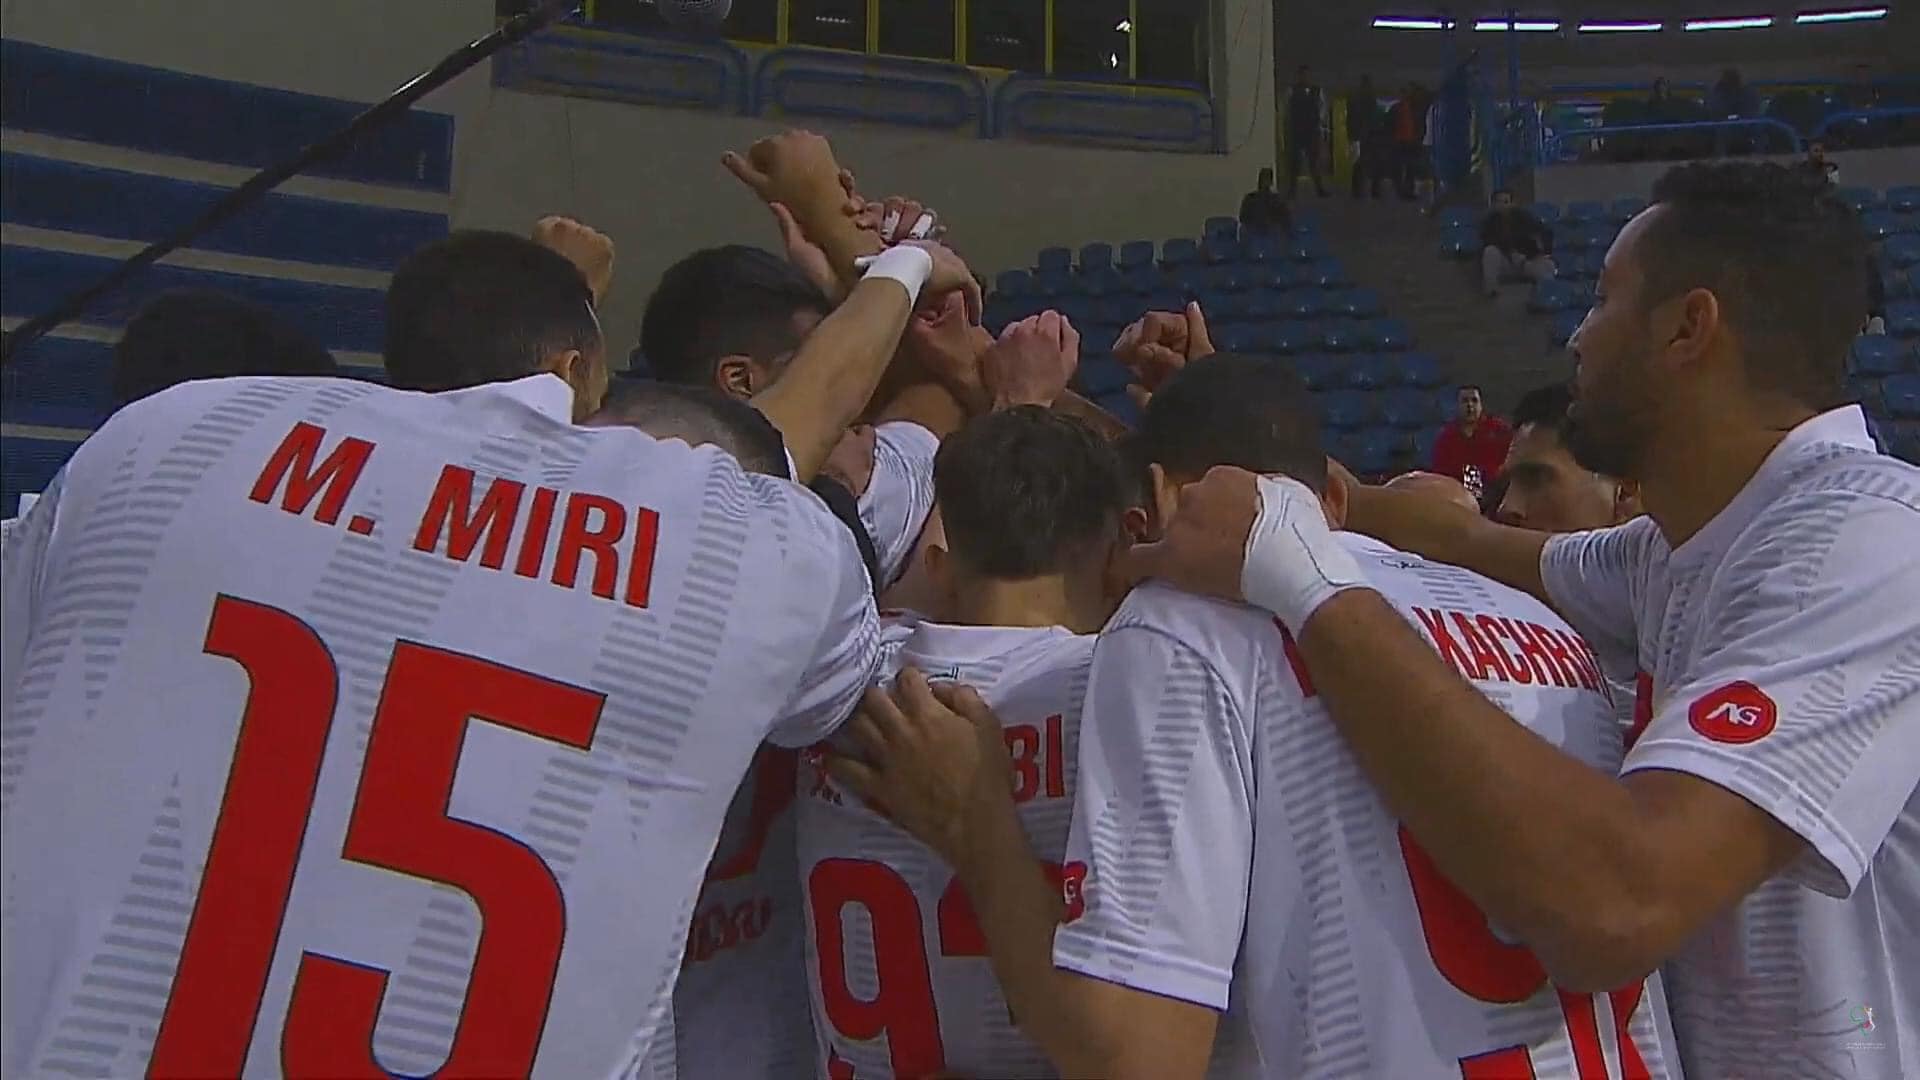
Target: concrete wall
x,y
651,177
1878,169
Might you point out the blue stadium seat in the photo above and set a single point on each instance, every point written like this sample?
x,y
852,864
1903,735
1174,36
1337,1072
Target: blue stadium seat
x,y
1585,211
1136,253
1052,282
1370,371
1102,374
1551,296
1319,371
1276,276
1905,198
1222,307
1328,273
1260,248
1880,224
1901,252
1626,207
1459,217
1860,198
1460,243
1120,407
1263,305
1002,310
1053,259
1235,337
1229,277
1306,249
1291,336
1220,249
1903,318
1407,408
1302,303
1142,279
1191,279
1373,451
1096,256
1166,299
1102,281
1179,251
1547,212
1902,393
58,382
1563,326
1391,335
1346,410
1421,369
1013,283
1361,304
1222,228
1903,440
1876,355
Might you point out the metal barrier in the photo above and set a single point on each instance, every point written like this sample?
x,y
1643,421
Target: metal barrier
x,y
1867,116
1557,148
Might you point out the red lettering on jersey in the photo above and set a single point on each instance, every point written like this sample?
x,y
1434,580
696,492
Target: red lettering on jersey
x,y
838,1068
1585,661
1737,713
533,542
448,512
1566,672
577,537
1294,660
292,463
1488,664
646,539
718,928
1073,889
1031,754
1510,665
1642,707
1530,650
1435,623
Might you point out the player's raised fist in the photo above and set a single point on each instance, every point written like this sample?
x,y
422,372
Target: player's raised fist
x,y
583,245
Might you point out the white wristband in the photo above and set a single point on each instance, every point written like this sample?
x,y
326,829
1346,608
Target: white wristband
x,y
1294,562
910,266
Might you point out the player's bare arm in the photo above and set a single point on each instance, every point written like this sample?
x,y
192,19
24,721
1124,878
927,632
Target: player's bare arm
x,y
1602,878
933,758
1447,533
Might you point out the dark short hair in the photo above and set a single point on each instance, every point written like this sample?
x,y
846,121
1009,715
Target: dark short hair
x,y
186,334
1545,408
481,307
699,416
1251,412
1464,387
1786,258
1026,492
724,301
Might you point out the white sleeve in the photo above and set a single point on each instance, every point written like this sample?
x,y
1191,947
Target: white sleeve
x,y
829,587
1163,822
23,551
895,505
1593,579
1807,701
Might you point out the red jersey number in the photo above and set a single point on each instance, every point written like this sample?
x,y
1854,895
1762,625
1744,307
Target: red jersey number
x,y
399,822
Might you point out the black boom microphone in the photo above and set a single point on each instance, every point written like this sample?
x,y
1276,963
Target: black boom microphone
x,y
333,146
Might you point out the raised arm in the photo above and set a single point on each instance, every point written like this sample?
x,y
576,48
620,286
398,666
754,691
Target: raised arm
x,y
1448,533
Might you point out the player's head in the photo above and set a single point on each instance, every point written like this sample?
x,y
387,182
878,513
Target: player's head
x,y
730,318
1028,495
189,334
1250,412
482,307
1546,488
1728,304
1435,486
1472,406
697,416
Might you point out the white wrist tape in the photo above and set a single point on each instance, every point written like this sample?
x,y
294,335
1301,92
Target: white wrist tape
x,y
1294,561
908,265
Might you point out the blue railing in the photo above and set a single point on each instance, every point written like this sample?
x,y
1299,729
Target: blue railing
x,y
1558,147
1866,116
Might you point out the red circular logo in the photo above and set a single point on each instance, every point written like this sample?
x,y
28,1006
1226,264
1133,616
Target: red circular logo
x,y
1736,713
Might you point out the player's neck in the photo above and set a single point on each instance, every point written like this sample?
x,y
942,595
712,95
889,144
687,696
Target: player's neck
x,y
1043,601
1689,479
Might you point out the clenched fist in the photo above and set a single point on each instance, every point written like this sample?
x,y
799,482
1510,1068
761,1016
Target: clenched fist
x,y
584,246
1032,362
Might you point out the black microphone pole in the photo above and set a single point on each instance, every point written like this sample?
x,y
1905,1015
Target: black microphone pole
x,y
333,146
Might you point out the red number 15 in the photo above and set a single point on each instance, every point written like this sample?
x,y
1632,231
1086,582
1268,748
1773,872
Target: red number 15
x,y
399,822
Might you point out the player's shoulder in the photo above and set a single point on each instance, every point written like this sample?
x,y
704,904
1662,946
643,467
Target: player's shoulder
x,y
1233,638
1844,511
1412,581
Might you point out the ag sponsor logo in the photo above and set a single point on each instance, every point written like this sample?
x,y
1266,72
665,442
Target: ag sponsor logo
x,y
1737,713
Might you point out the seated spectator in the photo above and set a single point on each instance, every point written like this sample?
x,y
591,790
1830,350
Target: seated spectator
x,y
1473,446
188,334
1513,242
1263,210
1732,99
1819,166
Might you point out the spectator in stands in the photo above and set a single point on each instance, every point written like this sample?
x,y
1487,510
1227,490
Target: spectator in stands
x,y
1473,446
1363,142
1512,242
1662,106
1263,210
1406,122
189,334
1306,131
1545,488
1732,98
1876,299
480,307
1819,166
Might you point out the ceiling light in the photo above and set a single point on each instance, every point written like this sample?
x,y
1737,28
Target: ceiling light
x,y
1754,22
1853,15
1522,25
1622,27
1389,22
1125,26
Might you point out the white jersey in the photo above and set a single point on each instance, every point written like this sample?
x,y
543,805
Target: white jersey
x,y
1237,858
740,1009
897,965
898,497
356,729
1780,648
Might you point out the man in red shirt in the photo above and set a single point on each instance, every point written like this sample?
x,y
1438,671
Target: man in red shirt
x,y
1472,446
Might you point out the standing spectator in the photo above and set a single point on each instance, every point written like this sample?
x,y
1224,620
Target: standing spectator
x,y
1263,210
1363,122
1513,241
1732,99
1661,106
1306,131
1473,446
1406,122
1819,166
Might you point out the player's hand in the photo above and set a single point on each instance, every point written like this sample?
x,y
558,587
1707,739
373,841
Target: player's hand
x,y
1159,344
851,462
950,275
794,168
930,755
898,218
1203,549
585,247
1032,362
808,257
